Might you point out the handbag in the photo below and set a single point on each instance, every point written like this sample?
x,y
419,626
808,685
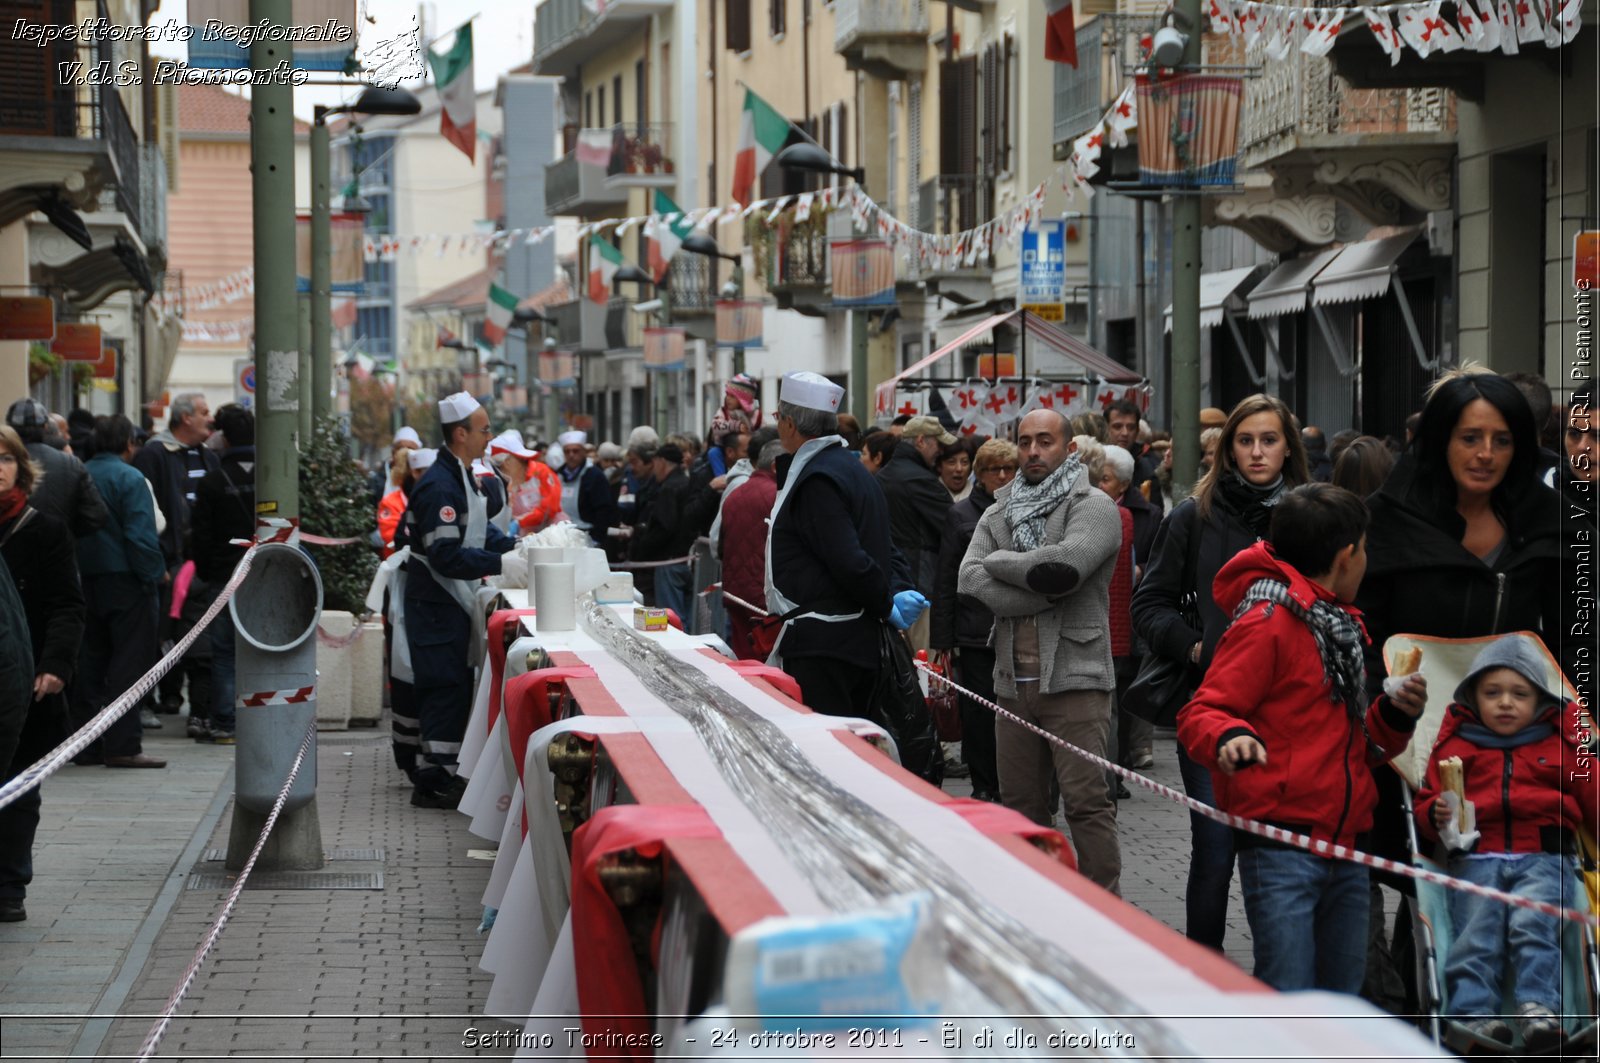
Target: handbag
x,y
1162,685
944,707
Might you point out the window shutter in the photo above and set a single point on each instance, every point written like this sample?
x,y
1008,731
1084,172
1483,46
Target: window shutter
x,y
967,115
1009,51
738,25
843,119
950,107
914,153
989,132
777,16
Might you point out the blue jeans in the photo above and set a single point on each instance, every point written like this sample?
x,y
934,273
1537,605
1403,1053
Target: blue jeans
x,y
1308,919
673,591
223,672
1489,933
1210,861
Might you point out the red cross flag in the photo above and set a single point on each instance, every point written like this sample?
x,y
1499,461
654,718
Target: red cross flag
x,y
1322,31
1378,22
910,403
967,400
1004,403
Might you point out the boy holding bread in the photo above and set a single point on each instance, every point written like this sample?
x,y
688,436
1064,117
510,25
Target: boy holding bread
x,y
1283,716
1505,789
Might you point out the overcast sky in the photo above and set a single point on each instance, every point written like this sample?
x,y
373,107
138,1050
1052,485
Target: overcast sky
x,y
502,38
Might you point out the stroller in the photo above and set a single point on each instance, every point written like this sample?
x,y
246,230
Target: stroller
x,y
1444,663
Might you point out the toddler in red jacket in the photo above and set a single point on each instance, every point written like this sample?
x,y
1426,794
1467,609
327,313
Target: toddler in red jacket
x,y
1283,715
1528,786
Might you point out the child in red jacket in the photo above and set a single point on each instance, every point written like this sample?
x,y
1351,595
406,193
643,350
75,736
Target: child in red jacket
x,y
1528,786
1283,715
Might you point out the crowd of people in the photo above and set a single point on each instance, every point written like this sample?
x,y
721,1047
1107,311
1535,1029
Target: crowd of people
x,y
114,541
1051,572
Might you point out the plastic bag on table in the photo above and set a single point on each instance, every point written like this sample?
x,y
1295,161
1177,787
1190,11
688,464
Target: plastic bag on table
x,y
898,706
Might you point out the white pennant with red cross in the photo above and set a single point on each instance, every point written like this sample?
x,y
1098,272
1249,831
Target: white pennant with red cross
x,y
1004,402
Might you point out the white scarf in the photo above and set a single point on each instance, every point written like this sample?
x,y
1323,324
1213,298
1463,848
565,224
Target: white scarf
x,y
1030,505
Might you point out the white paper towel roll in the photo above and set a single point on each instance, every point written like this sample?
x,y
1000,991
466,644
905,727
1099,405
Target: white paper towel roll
x,y
554,598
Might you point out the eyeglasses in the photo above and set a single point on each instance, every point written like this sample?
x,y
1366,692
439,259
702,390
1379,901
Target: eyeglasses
x,y
1010,470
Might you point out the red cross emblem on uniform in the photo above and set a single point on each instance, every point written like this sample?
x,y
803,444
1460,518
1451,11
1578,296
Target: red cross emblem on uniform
x,y
447,515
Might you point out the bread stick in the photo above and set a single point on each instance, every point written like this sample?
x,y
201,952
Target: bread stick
x,y
1450,778
1407,662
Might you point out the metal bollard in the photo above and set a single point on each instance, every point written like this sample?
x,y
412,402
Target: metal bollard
x,y
275,614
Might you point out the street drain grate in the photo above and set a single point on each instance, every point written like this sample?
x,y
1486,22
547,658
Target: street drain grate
x,y
290,880
217,856
347,869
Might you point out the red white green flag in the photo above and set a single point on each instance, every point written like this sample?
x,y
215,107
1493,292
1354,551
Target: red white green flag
x,y
604,261
762,132
667,235
497,317
458,102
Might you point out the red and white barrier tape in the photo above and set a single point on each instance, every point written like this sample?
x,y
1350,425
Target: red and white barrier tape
x,y
628,566
81,740
1278,834
322,540
736,600
158,1029
339,642
277,697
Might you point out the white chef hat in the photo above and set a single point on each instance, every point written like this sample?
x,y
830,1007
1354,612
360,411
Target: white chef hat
x,y
457,407
812,391
573,437
406,435
421,458
510,442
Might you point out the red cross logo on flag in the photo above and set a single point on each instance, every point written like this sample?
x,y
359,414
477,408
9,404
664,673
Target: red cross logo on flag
x,y
969,429
908,409
1065,394
995,403
1107,398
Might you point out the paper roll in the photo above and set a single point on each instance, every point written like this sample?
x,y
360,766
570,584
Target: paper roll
x,y
554,598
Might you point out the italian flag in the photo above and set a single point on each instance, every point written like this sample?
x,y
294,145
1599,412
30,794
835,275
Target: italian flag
x,y
762,132
667,236
502,304
604,261
458,104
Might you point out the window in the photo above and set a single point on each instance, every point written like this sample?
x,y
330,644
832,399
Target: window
x,y
641,105
616,100
600,97
996,131
738,30
588,110
777,16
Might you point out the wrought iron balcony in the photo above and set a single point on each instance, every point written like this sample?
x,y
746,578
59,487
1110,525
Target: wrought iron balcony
x,y
88,123
692,281
885,38
796,259
575,188
1108,49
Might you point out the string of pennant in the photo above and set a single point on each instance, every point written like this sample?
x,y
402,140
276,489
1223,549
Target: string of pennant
x,y
980,407
219,331
237,285
1478,26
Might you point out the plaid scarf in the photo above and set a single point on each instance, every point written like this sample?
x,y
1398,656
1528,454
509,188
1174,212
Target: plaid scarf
x,y
1030,505
1339,642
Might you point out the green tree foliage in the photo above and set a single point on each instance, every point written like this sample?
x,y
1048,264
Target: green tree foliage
x,y
336,501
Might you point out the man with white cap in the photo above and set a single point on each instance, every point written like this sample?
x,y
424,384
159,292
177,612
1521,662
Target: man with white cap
x,y
585,493
453,546
833,575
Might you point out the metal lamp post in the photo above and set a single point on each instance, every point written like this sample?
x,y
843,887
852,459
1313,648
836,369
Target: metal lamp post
x,y
809,158
372,101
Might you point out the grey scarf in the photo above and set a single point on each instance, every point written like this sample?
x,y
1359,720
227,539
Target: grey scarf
x,y
1030,505
1339,641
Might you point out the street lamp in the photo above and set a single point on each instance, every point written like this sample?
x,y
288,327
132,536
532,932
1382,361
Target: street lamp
x,y
700,244
809,158
372,101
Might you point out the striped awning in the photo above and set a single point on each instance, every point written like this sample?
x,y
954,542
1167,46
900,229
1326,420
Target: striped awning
x,y
1361,270
1285,289
1214,291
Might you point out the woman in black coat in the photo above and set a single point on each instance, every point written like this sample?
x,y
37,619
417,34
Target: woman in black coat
x,y
1258,458
42,557
960,626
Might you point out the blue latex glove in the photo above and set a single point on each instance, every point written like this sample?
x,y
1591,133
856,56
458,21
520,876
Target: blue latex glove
x,y
908,605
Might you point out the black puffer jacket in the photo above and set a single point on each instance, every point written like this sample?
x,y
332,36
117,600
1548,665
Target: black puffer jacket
x,y
1156,618
959,620
918,502
43,560
1421,581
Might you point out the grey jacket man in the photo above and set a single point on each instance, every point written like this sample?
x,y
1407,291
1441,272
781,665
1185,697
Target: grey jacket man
x,y
1064,585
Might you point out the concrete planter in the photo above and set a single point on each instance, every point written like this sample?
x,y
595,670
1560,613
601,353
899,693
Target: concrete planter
x,y
349,673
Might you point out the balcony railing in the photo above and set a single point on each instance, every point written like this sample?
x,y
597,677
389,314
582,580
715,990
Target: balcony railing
x,y
641,149
556,20
882,37
573,188
153,209
1108,49
797,259
1300,98
92,114
692,281
584,324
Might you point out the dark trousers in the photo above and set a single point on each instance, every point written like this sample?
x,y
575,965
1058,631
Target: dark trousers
x,y
223,673
43,730
438,635
194,665
832,687
119,646
1210,860
405,735
975,671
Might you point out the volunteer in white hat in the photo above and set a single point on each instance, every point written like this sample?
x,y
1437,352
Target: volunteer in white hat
x,y
585,492
531,485
833,575
453,547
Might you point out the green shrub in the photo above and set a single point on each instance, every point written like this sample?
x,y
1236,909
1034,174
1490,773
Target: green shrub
x,y
335,501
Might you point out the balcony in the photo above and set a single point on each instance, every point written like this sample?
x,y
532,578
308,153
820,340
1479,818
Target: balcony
x,y
885,38
70,140
579,188
585,325
693,283
641,156
954,203
567,33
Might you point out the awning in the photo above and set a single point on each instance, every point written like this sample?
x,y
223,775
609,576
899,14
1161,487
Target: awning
x,y
1214,291
1284,289
1038,331
1361,270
